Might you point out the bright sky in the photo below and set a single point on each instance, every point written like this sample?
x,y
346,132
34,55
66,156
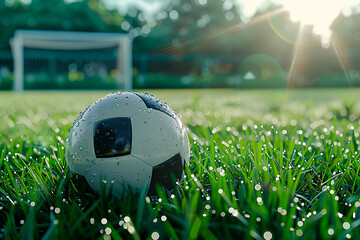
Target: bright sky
x,y
318,13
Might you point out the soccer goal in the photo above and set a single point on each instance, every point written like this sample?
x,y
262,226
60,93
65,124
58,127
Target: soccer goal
x,y
71,60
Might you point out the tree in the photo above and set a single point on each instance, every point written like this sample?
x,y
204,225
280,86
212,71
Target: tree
x,y
184,26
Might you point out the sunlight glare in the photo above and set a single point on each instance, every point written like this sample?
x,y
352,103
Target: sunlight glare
x,y
320,14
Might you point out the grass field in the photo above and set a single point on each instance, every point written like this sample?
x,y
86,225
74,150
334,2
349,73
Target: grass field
x,y
265,164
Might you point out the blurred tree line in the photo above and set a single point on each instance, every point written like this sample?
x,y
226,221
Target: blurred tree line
x,y
193,27
90,15
181,26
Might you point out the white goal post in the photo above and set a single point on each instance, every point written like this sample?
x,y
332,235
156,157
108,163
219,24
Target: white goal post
x,y
60,42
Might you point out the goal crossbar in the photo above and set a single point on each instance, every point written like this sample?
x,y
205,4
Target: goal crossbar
x,y
70,40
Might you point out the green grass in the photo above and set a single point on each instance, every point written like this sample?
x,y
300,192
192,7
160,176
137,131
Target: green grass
x,y
265,164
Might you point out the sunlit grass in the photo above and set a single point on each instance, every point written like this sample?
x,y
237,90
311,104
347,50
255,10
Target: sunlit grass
x,y
264,165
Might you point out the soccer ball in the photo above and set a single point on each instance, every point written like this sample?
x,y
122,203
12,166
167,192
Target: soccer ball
x,y
128,140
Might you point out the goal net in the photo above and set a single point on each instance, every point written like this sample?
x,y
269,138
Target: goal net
x,y
71,60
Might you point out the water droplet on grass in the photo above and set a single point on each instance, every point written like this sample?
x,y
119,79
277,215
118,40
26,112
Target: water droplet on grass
x,y
57,210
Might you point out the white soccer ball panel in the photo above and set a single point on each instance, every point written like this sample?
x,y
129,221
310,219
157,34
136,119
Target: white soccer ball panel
x,y
118,171
156,137
116,105
79,146
185,147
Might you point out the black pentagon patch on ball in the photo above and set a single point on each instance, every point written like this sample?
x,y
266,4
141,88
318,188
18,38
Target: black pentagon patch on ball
x,y
112,137
154,103
162,174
